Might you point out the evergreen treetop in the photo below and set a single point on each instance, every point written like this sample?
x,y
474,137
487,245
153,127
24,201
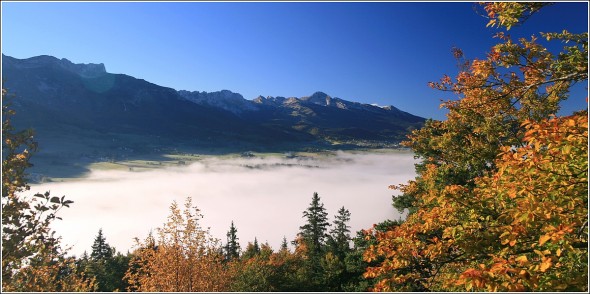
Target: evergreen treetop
x,y
100,248
232,248
314,232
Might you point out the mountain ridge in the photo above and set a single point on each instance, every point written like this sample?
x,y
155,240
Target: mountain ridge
x,y
56,92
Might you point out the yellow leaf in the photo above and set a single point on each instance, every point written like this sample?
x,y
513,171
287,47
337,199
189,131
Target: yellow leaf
x,y
544,239
522,259
558,252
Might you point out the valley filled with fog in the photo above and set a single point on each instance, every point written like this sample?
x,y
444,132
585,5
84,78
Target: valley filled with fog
x,y
265,197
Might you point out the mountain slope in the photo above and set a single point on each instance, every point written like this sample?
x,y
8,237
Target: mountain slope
x,y
56,94
340,119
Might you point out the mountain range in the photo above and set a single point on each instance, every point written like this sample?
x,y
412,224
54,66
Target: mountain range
x,y
83,103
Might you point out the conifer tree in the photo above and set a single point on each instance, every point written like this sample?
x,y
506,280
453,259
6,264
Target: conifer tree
x,y
313,236
314,231
340,234
104,266
284,245
232,248
100,248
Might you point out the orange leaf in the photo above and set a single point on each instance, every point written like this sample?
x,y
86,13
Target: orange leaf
x,y
545,264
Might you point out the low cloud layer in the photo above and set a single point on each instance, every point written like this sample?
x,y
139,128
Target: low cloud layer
x,y
264,197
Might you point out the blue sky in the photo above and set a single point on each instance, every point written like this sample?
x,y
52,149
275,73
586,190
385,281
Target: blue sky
x,y
383,53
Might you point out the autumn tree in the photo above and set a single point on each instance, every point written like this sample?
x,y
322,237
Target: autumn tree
x,y
356,265
508,14
184,257
32,257
500,200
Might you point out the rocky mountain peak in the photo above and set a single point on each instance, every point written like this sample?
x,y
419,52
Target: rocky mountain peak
x,y
226,99
260,99
319,98
269,100
87,70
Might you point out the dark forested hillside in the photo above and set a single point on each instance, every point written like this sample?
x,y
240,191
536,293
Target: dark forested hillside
x,y
85,99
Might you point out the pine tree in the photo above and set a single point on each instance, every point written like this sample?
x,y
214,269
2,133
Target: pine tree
x,y
284,245
100,248
340,234
314,231
335,274
256,246
313,235
104,266
232,248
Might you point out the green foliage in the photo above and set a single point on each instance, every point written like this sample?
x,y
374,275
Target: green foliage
x,y
232,248
339,238
314,232
284,244
267,271
313,236
320,262
100,248
333,264
106,267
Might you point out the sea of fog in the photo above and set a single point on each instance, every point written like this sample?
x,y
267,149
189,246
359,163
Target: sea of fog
x,y
264,197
